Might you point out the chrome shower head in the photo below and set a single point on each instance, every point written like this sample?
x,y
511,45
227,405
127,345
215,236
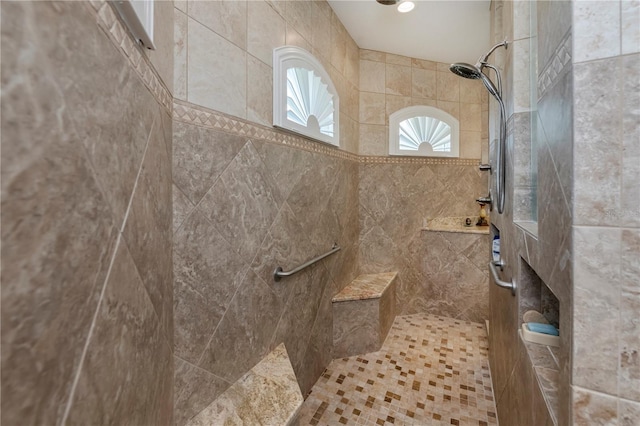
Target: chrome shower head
x,y
473,72
465,70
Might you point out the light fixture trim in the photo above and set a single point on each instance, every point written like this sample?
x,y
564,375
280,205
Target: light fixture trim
x,y
406,6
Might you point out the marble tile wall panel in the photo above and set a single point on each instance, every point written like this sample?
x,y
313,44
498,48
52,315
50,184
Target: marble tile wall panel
x,y
124,377
267,394
388,84
437,271
257,205
356,327
79,300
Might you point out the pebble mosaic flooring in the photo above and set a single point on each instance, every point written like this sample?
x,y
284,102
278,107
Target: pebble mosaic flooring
x,y
430,371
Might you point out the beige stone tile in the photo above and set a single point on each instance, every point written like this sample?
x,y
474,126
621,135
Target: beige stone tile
x,y
271,383
470,117
396,103
630,14
265,31
422,64
390,58
228,18
180,55
372,55
372,76
339,37
373,140
628,413
596,308
470,144
372,108
521,81
471,91
630,191
452,108
442,67
597,166
294,38
181,5
521,19
590,408
596,30
259,92
423,83
299,14
398,80
448,86
217,71
321,33
629,307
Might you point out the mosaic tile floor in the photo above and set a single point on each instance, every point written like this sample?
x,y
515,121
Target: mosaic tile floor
x,y
430,371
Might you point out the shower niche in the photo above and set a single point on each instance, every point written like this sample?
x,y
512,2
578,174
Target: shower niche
x,y
535,295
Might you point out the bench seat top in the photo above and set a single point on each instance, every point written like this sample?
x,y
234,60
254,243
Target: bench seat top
x,y
369,286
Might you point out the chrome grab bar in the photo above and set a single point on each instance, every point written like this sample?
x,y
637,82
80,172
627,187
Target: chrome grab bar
x,y
504,284
278,274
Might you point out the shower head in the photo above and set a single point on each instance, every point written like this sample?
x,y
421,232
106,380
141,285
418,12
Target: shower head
x,y
388,2
474,72
465,70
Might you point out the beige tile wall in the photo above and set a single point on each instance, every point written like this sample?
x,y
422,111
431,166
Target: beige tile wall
x,y
606,301
390,82
224,54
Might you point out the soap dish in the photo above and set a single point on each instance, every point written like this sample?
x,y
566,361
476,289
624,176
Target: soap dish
x,y
540,338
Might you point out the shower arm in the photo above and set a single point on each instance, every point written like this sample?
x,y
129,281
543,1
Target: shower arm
x,y
488,65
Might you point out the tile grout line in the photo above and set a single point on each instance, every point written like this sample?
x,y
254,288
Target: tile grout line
x,y
90,335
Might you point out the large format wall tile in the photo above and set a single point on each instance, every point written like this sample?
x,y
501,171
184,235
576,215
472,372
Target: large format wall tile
x,y
127,354
76,118
200,155
243,203
217,69
243,336
148,229
207,273
194,389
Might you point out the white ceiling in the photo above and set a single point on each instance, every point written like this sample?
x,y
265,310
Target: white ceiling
x,y
437,30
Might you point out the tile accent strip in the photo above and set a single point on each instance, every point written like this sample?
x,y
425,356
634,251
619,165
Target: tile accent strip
x,y
109,22
193,114
551,71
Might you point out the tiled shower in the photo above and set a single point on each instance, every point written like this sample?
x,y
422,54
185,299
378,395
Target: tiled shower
x,y
147,199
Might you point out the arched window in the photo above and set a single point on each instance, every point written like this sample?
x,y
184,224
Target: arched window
x,y
304,97
423,131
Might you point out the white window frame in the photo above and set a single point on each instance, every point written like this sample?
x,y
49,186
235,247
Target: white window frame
x,y
423,150
286,57
138,16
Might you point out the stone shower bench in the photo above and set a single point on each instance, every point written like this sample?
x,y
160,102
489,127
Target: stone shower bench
x,y
363,313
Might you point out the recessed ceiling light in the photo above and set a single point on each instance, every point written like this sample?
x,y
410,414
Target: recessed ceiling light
x,y
406,6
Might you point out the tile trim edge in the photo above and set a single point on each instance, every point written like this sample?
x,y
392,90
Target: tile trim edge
x,y
109,22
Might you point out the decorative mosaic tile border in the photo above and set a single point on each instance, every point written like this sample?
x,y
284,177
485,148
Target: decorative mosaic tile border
x,y
200,116
110,23
560,58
